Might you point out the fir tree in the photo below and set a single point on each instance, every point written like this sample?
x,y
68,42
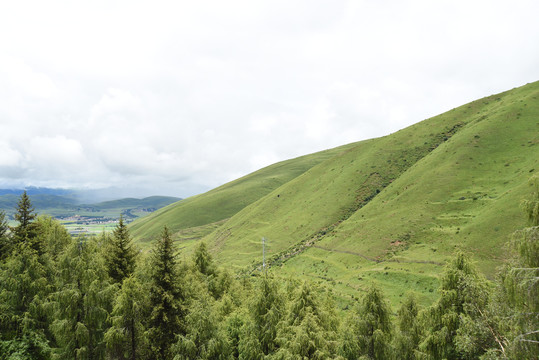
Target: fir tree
x,y
26,230
409,330
368,334
23,287
54,235
81,305
203,339
266,310
463,292
125,338
531,205
311,327
203,260
25,212
5,245
166,298
233,327
518,295
120,253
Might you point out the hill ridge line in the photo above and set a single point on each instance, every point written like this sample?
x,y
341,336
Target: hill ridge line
x,y
370,188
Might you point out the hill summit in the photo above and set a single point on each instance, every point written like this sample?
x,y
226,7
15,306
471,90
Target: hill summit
x,y
389,210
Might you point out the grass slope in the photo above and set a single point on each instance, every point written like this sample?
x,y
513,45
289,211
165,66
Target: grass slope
x,y
393,209
389,210
203,211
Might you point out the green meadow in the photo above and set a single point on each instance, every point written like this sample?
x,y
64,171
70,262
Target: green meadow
x,y
390,210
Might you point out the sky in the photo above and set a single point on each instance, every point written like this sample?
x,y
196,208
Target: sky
x,y
178,97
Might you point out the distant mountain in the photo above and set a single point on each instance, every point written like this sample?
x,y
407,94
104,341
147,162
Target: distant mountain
x,y
64,203
154,202
39,191
8,202
389,210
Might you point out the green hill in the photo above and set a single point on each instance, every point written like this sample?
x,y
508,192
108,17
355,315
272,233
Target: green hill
x,y
389,210
202,213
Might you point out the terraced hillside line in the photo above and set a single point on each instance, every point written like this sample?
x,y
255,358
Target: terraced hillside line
x,y
378,260
347,252
374,184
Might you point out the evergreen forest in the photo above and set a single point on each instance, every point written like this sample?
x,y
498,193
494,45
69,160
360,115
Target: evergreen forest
x,y
101,297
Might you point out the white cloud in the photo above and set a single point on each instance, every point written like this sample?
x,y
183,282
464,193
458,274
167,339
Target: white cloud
x,y
25,81
9,157
183,96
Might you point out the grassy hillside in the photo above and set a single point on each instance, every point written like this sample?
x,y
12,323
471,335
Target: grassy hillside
x,y
389,210
203,211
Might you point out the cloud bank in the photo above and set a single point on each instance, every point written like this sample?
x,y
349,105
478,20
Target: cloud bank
x,y
175,98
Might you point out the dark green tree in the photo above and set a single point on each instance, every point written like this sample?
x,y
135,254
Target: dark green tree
x,y
463,293
266,308
518,294
166,298
82,303
27,279
26,229
25,212
310,330
23,288
233,326
531,205
53,236
408,333
204,339
125,339
120,254
203,260
369,332
5,245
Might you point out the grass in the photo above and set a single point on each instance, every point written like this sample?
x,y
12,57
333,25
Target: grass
x,y
225,201
390,210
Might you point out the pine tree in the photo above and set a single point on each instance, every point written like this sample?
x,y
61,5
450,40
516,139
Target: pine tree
x,y
368,334
82,304
311,327
25,212
203,260
531,205
26,230
233,327
54,236
266,310
463,293
125,338
375,327
409,330
204,339
518,294
5,245
166,298
27,279
23,287
120,253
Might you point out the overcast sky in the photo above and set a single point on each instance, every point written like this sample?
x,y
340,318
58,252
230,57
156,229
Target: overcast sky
x,y
177,97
